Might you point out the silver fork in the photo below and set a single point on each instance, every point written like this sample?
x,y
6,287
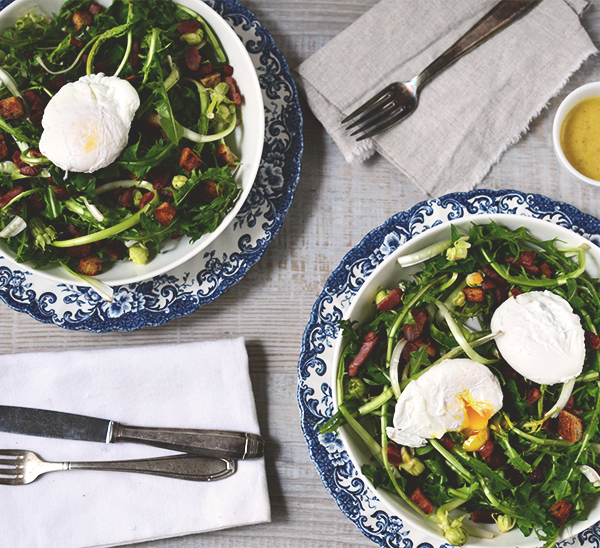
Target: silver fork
x,y
19,467
398,100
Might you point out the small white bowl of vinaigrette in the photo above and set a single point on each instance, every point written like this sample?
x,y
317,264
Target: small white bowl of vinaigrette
x,y
576,133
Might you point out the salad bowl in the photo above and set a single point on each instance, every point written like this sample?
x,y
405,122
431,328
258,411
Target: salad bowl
x,y
246,142
349,295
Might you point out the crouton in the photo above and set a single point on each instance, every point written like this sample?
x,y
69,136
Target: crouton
x,y
3,148
561,511
90,265
422,501
82,19
211,80
164,213
189,160
11,108
225,156
570,427
474,294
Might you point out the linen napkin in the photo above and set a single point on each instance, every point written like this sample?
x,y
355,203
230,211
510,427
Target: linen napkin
x,y
471,112
192,385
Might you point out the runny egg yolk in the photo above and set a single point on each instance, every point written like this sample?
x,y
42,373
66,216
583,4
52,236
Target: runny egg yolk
x,y
477,415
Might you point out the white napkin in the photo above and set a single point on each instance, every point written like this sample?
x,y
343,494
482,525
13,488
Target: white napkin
x,y
471,112
194,385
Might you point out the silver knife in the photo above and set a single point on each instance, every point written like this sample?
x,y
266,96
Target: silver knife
x,y
54,424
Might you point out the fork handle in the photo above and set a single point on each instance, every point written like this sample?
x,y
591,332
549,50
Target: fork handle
x,y
500,16
188,467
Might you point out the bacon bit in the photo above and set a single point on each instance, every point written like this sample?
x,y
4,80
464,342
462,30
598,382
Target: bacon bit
x,y
16,157
192,59
447,443
10,195
551,426
113,248
367,347
515,291
537,476
546,270
227,70
570,403
561,511
489,271
79,251
494,461
412,332
483,516
34,100
532,396
90,265
391,301
29,171
102,66
186,27
126,199
570,427
412,346
592,341
526,258
60,193
146,199
76,43
205,70
233,92
394,454
474,294
489,283
11,108
422,501
3,147
95,8
501,294
56,83
486,449
134,56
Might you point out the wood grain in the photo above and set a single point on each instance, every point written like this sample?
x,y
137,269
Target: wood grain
x,y
336,204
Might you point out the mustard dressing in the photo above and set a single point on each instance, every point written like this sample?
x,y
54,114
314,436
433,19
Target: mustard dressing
x,y
580,137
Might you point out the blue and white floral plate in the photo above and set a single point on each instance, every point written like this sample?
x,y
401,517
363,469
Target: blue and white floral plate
x,y
316,367
225,262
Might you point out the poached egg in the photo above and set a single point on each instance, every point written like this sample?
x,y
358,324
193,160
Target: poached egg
x,y
540,337
453,396
86,124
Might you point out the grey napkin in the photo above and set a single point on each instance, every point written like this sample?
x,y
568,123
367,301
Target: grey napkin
x,y
471,112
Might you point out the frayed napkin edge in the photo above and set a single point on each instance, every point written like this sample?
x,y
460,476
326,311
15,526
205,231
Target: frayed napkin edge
x,y
479,175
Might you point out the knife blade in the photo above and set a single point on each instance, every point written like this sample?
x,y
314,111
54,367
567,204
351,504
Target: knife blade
x,y
56,424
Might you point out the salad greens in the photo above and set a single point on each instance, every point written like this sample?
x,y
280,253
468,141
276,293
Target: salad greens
x,y
518,471
151,193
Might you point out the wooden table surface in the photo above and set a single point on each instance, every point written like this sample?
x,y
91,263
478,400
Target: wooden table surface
x,y
335,205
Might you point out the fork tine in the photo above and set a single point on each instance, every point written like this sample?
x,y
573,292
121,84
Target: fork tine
x,y
10,452
388,122
382,109
370,103
8,462
378,117
11,481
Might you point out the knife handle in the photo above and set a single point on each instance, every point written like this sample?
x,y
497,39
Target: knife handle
x,y
207,443
186,467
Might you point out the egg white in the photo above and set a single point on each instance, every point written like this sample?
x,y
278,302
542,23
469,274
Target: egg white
x,y
439,401
540,337
86,124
